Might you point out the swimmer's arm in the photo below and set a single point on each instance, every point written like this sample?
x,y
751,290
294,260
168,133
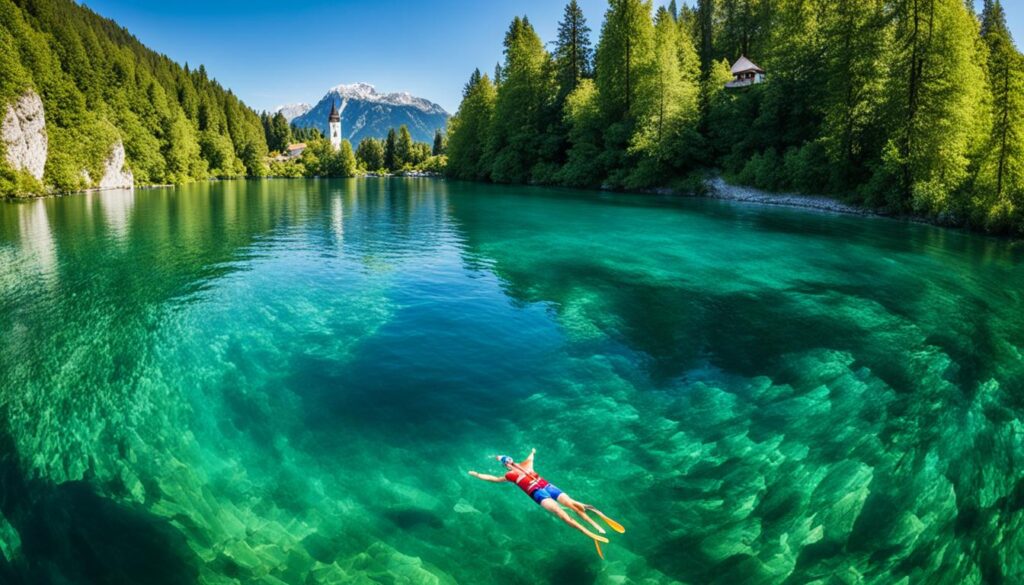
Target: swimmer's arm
x,y
486,477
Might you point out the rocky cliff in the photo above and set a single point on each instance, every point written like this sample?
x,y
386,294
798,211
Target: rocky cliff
x,y
26,145
24,135
115,175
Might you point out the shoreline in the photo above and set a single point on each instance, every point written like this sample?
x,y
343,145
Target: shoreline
x,y
717,188
714,187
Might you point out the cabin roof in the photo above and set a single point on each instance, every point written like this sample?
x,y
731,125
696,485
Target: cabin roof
x,y
297,146
742,65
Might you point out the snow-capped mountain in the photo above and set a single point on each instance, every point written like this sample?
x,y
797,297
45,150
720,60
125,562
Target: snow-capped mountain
x,y
292,111
366,112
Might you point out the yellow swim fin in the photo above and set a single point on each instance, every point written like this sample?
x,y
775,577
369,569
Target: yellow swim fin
x,y
599,553
614,525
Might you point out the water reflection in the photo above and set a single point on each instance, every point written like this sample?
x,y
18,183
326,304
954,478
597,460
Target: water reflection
x,y
269,372
36,238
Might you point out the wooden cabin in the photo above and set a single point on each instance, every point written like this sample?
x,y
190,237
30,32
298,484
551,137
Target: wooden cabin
x,y
745,72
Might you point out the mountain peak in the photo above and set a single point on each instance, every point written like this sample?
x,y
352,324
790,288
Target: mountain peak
x,y
292,111
368,93
368,113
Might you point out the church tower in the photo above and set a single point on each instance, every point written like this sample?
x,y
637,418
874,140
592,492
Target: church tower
x,y
334,122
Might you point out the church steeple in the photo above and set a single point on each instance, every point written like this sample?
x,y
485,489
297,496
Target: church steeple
x,y
334,124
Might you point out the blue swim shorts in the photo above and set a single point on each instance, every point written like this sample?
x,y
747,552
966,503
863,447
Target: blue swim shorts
x,y
548,491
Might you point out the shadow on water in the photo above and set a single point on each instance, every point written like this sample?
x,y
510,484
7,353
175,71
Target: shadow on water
x,y
70,534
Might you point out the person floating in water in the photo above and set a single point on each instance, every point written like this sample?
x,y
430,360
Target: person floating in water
x,y
549,497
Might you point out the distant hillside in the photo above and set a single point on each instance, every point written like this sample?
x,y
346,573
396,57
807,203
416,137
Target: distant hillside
x,y
365,112
85,104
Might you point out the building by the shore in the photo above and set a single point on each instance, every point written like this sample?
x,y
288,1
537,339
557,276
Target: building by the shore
x,y
745,72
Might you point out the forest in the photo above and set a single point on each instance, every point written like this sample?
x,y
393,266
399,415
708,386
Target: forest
x,y
99,84
905,106
395,153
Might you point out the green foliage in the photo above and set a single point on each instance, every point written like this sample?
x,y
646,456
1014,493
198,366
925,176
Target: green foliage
x,y
519,123
469,129
287,169
321,160
573,53
912,105
391,150
305,134
434,164
404,156
370,154
585,164
277,131
100,85
998,190
440,143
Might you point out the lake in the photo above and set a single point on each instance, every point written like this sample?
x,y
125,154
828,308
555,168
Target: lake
x,y
286,382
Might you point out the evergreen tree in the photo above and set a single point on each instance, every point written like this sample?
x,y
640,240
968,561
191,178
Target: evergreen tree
x,y
469,129
370,154
853,49
518,124
573,53
624,56
667,106
404,148
280,133
439,143
706,30
936,97
625,64
391,161
999,188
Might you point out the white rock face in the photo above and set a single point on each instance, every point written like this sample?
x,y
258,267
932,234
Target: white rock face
x,y
115,176
24,135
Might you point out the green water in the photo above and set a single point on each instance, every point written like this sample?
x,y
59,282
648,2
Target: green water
x,y
286,382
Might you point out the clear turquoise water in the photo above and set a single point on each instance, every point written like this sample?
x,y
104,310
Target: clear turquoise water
x,y
286,381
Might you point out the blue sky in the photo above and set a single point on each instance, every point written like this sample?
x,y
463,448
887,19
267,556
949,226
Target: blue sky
x,y
272,53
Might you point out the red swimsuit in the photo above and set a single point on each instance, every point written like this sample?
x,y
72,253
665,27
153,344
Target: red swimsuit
x,y
527,483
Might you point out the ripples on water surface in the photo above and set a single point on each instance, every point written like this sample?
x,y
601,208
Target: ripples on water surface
x,y
285,381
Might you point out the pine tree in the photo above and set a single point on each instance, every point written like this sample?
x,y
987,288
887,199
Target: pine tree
x,y
573,52
853,48
518,124
370,154
706,30
667,106
624,56
625,64
999,189
280,133
391,151
937,98
469,129
403,148
439,143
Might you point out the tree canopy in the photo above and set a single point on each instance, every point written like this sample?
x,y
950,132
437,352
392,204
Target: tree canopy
x,y
99,84
912,106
